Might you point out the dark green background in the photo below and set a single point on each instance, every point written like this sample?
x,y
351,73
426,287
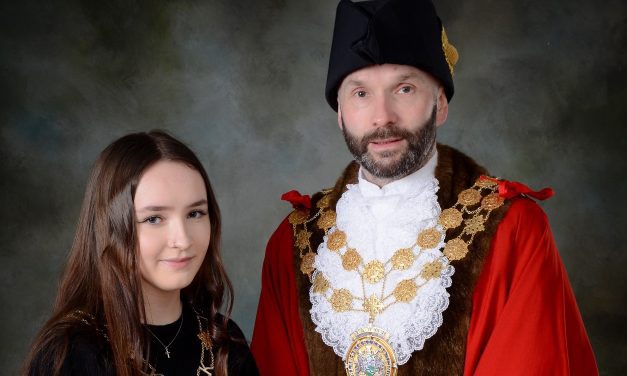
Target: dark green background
x,y
540,98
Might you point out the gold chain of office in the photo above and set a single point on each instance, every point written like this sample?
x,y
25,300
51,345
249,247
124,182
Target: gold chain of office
x,y
471,211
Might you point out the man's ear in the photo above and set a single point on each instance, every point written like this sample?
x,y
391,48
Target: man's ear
x,y
442,108
339,115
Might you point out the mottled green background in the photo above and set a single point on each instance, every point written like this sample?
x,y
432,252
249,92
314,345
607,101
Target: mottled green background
x,y
540,98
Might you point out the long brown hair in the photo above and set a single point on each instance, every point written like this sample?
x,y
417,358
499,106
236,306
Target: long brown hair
x,y
102,277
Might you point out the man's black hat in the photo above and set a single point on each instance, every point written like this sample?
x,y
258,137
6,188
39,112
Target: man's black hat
x,y
404,32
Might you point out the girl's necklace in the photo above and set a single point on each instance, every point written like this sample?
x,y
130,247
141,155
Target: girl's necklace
x,y
166,347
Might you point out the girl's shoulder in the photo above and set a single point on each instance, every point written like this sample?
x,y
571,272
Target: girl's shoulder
x,y
81,345
88,351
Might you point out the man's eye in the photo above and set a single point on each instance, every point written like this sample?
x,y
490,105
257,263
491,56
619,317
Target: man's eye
x,y
196,214
405,90
361,94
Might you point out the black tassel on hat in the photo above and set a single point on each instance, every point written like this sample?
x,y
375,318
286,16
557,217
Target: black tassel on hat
x,y
404,32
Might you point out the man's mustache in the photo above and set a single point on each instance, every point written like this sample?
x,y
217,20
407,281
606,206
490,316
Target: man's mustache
x,y
389,131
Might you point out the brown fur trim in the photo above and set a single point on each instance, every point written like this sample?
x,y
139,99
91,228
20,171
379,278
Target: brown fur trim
x,y
444,353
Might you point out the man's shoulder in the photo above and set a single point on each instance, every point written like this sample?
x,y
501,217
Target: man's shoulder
x,y
525,212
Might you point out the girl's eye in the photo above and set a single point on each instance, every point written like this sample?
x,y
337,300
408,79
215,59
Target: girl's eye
x,y
153,220
197,214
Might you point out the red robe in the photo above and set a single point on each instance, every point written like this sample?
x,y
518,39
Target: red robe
x,y
524,318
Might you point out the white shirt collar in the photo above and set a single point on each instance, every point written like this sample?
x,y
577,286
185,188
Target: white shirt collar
x,y
403,186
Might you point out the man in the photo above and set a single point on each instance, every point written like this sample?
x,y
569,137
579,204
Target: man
x,y
416,262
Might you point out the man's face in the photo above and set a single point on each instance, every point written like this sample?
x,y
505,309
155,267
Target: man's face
x,y
388,114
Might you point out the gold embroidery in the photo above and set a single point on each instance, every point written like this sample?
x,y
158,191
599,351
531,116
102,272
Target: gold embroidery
x,y
406,290
429,238
341,300
474,225
336,240
326,220
324,202
469,197
373,306
307,263
450,53
298,217
455,249
484,182
403,259
374,271
431,270
450,218
302,239
492,201
351,259
320,284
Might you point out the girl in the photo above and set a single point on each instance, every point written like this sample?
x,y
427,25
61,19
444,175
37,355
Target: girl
x,y
144,280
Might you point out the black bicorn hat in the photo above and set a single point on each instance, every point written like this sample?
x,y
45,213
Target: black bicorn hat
x,y
404,32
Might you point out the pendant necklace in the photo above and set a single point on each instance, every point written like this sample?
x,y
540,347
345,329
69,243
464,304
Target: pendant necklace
x,y
166,347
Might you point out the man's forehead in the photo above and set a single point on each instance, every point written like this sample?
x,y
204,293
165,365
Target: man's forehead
x,y
385,71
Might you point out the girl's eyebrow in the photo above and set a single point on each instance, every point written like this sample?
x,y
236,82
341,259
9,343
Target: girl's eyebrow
x,y
198,203
156,208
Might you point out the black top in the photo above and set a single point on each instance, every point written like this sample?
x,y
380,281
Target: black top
x,y
185,350
89,353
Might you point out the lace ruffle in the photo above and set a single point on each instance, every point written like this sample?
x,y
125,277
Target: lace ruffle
x,y
377,227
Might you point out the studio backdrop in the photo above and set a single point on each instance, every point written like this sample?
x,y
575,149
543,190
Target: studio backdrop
x,y
540,98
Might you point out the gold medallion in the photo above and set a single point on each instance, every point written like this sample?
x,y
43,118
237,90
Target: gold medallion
x,y
298,217
492,201
429,238
351,259
405,291
455,249
324,201
307,263
341,300
320,284
326,220
302,239
431,270
370,354
403,259
474,224
469,197
336,240
374,271
485,182
450,218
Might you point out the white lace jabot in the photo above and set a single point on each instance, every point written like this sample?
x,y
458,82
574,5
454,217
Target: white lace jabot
x,y
378,222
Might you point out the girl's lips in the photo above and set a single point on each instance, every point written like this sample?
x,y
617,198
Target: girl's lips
x,y
178,262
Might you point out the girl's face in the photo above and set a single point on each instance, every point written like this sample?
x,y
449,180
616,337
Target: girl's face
x,y
173,227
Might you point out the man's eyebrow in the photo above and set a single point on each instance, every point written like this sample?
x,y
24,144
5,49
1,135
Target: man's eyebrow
x,y
409,75
353,83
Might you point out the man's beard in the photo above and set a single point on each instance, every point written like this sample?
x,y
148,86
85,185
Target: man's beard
x,y
416,155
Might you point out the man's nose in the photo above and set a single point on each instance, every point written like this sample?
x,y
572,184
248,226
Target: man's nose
x,y
384,112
